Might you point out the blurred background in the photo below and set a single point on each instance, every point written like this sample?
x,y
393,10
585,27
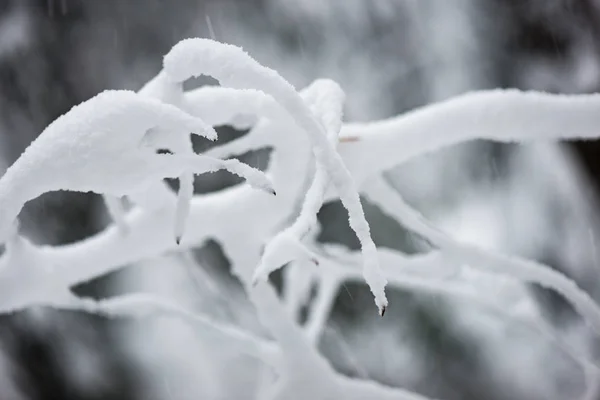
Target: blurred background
x,y
539,201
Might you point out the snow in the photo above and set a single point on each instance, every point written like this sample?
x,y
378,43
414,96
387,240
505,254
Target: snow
x,y
232,67
527,271
166,90
108,145
499,115
144,306
327,104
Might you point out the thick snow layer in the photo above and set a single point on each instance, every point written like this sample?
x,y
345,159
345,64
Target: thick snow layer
x,y
108,145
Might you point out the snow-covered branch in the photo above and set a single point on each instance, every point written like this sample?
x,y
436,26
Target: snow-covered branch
x,y
327,103
511,116
143,306
232,67
109,144
529,271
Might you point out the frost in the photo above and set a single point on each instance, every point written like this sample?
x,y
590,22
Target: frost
x,y
164,89
528,271
498,115
232,67
327,103
142,305
109,145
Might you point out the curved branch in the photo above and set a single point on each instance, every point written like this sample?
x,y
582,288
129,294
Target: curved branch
x,y
392,203
498,115
232,67
149,306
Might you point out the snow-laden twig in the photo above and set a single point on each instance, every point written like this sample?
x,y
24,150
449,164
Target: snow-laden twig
x,y
219,105
164,89
417,272
478,115
147,237
392,203
326,100
232,67
297,287
170,92
109,146
305,373
421,273
104,145
145,306
499,115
